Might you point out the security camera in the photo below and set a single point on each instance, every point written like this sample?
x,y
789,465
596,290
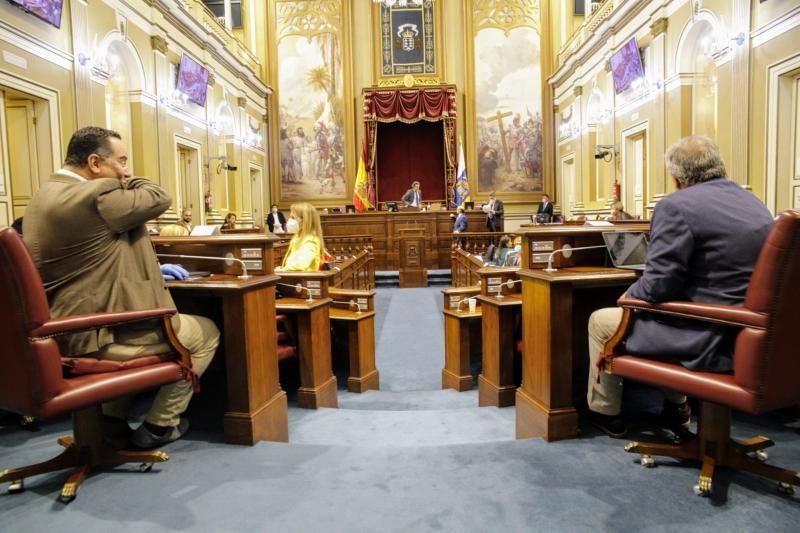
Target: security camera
x,y
605,151
228,166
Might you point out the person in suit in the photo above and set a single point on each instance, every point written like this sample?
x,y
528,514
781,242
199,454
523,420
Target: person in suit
x,y
462,223
276,219
85,228
545,209
494,213
705,239
413,196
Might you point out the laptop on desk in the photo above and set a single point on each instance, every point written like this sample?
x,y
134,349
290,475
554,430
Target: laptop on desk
x,y
628,249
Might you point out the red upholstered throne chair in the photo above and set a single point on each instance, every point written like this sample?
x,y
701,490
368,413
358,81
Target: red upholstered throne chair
x,y
766,364
36,379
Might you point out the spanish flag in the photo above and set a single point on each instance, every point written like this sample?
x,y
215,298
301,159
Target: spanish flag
x,y
361,193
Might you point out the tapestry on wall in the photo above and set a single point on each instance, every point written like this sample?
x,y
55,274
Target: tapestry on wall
x,y
508,97
408,40
311,114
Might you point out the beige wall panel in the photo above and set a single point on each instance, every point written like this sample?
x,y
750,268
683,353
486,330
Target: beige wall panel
x,y
36,28
781,48
763,12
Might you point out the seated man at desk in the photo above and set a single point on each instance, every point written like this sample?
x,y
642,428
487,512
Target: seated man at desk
x,y
705,240
86,231
413,196
307,245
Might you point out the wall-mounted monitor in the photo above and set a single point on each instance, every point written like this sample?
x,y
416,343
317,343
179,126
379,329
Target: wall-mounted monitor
x,y
626,66
192,80
47,10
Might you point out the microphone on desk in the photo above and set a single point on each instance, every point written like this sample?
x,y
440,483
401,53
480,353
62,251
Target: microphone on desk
x,y
299,288
567,251
229,258
507,283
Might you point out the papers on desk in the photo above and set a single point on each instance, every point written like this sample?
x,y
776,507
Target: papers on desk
x,y
204,231
601,223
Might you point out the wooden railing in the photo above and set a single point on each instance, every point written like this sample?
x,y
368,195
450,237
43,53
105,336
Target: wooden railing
x,y
476,243
355,272
464,268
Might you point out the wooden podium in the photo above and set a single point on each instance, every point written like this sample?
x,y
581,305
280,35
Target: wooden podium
x,y
412,257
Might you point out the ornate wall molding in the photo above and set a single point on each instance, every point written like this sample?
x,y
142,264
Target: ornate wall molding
x,y
310,18
505,15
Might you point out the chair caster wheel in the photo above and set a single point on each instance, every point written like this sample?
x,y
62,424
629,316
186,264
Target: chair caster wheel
x,y
761,455
17,486
145,467
703,487
785,488
648,462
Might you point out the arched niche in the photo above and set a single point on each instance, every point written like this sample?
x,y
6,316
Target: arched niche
x,y
699,49
129,109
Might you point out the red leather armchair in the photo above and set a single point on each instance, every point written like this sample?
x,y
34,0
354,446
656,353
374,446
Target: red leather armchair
x,y
766,363
36,380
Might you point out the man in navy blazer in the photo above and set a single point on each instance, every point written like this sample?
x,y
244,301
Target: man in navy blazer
x,y
705,239
462,222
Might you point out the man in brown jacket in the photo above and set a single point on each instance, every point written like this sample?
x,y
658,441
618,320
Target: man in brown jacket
x,y
86,231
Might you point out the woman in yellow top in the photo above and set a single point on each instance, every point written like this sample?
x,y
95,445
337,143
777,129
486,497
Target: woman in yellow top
x,y
305,248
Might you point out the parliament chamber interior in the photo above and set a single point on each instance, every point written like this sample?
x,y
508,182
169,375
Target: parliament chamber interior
x,y
399,265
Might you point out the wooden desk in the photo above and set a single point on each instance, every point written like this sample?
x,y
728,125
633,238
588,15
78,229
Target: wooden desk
x,y
460,328
359,332
496,384
384,227
501,301
540,241
257,408
544,401
462,333
317,382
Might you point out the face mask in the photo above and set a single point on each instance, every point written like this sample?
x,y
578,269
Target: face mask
x,y
292,226
518,248
274,209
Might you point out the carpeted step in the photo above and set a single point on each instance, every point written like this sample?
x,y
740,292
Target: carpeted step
x,y
362,428
383,400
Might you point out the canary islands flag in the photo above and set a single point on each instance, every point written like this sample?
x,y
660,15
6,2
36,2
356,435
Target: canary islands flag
x,y
462,185
361,193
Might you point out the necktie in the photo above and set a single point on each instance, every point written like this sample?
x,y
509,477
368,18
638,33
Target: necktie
x,y
416,198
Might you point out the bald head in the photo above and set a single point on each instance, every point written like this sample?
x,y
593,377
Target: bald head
x,y
693,160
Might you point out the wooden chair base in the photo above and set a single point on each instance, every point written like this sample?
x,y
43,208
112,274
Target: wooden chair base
x,y
83,452
713,448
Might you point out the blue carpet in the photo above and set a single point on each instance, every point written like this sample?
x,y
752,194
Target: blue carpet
x,y
409,457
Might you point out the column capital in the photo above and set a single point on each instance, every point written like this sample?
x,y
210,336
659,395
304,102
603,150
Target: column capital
x,y
659,26
158,44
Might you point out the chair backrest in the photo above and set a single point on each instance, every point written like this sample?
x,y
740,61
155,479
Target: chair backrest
x,y
768,362
30,370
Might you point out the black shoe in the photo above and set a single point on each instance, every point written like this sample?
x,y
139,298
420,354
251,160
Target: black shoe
x,y
611,425
145,439
677,417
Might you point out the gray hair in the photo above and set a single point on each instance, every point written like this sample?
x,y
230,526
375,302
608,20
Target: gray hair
x,y
693,160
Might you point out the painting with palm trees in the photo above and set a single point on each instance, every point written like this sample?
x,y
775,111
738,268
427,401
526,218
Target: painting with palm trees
x,y
310,89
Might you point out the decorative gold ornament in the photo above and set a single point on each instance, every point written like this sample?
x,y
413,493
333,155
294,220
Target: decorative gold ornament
x,y
308,18
408,80
505,14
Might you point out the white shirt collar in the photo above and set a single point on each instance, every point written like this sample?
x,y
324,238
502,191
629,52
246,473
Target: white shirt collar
x,y
71,174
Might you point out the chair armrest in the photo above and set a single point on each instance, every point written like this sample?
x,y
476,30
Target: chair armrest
x,y
77,323
727,315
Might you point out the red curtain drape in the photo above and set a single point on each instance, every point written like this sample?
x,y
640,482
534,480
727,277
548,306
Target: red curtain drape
x,y
410,106
411,152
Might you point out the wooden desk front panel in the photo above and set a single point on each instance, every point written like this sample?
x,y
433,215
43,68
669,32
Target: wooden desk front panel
x,y
384,227
540,241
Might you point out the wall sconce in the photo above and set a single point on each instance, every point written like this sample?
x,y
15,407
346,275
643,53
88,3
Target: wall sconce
x,y
84,60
